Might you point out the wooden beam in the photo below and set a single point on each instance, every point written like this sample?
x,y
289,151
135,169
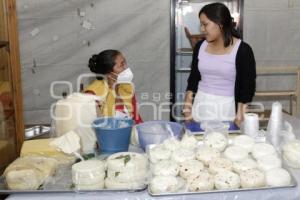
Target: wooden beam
x,y
277,70
15,70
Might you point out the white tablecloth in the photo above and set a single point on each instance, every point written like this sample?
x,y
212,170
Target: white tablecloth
x,y
269,194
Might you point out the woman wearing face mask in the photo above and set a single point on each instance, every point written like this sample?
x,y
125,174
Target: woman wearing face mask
x,y
223,70
113,85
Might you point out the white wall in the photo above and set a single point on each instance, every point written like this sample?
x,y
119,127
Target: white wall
x,y
61,48
272,28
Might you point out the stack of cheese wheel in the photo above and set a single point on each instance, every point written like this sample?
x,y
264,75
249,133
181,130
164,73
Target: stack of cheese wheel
x,y
126,170
88,175
291,153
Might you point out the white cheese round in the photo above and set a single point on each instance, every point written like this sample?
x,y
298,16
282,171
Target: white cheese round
x,y
158,153
235,153
188,141
201,181
268,162
262,149
206,154
227,180
166,168
252,178
190,167
165,184
95,186
181,155
172,144
138,175
127,161
291,153
112,183
219,164
216,140
244,165
278,177
88,172
244,141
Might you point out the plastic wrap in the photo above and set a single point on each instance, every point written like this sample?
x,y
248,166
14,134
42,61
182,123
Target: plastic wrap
x,y
29,172
216,134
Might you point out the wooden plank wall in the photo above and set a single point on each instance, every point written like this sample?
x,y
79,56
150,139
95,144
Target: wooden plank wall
x,y
12,132
3,37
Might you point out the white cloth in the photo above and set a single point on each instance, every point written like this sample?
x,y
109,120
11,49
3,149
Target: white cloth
x,y
213,107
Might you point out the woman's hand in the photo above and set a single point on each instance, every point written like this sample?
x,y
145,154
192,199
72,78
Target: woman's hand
x,y
239,118
111,79
238,121
187,108
187,114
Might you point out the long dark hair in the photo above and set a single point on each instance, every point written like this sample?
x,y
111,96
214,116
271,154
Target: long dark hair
x,y
220,14
103,62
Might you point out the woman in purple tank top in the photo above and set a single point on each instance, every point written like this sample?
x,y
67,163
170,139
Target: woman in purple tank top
x,y
223,70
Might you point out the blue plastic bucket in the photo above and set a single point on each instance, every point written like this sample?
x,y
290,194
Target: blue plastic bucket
x,y
155,132
113,134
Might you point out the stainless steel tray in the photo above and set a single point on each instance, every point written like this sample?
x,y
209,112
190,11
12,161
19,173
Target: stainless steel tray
x,y
36,131
292,184
60,183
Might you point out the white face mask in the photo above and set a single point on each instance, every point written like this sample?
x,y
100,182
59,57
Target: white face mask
x,y
125,76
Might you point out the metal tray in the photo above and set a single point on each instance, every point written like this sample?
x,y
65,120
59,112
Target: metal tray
x,y
292,184
60,183
36,131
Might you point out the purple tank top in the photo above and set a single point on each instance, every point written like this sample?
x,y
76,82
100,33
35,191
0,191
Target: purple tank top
x,y
217,71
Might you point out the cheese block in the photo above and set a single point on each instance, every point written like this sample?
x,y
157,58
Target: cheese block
x,y
46,166
68,143
24,179
42,147
29,172
88,172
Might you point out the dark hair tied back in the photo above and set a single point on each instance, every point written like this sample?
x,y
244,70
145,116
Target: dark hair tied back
x,y
93,63
104,62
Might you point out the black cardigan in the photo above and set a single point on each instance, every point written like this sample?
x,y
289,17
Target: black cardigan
x,y
244,88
